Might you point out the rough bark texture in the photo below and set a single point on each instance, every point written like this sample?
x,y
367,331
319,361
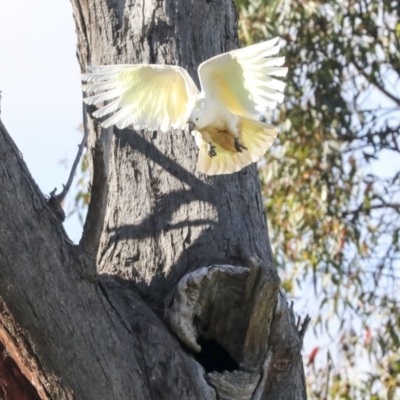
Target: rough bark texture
x,y
170,245
71,336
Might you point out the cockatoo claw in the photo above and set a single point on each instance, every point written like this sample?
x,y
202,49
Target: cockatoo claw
x,y
211,150
238,146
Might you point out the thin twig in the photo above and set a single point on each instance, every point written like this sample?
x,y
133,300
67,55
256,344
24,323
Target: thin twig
x,y
329,361
58,199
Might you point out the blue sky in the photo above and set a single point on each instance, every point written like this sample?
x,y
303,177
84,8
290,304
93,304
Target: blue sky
x,y
41,98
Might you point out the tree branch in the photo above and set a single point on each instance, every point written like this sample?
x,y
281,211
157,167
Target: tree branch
x,y
98,202
375,83
79,340
362,208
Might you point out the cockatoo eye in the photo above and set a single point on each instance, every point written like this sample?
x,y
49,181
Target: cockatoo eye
x,y
197,119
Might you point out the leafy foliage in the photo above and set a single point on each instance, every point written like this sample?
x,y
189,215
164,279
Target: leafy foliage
x,y
331,184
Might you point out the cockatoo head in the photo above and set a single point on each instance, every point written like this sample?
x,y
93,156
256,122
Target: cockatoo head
x,y
199,117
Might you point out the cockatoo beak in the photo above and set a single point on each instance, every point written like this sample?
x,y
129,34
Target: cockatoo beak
x,y
191,126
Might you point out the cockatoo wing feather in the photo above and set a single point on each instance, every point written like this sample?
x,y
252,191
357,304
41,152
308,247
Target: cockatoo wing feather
x,y
144,96
242,80
256,136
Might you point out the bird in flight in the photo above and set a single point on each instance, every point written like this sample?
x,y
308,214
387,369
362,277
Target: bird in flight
x,y
224,117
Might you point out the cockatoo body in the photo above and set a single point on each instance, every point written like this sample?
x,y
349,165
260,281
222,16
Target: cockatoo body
x,y
223,117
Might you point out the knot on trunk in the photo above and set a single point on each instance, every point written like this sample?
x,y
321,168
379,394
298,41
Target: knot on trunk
x,y
241,328
229,307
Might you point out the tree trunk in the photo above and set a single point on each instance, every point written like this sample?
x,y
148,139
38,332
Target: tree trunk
x,y
171,293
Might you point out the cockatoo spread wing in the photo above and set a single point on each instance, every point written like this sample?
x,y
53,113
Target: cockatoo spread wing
x,y
143,96
242,79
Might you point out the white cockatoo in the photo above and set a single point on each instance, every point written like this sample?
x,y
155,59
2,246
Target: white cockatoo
x,y
223,117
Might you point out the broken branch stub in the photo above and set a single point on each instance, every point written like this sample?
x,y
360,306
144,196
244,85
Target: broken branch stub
x,y
228,304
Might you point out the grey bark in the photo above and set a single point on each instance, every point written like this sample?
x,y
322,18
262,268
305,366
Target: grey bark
x,y
169,245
